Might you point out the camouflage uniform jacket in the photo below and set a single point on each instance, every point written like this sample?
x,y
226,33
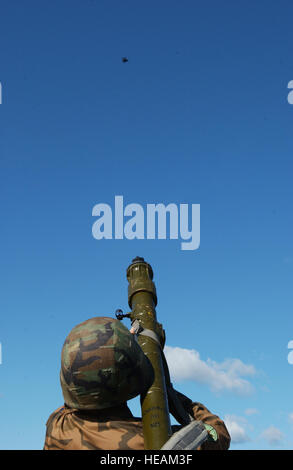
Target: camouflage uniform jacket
x,y
115,429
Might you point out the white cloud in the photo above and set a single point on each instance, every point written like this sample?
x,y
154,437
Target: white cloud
x,y
185,364
272,435
236,428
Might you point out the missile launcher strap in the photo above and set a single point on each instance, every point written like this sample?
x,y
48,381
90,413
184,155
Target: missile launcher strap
x,y
138,330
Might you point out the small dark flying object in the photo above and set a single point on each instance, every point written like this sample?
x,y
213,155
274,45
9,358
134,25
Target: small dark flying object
x,y
124,59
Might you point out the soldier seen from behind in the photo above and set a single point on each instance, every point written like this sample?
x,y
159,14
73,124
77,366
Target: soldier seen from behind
x,y
102,367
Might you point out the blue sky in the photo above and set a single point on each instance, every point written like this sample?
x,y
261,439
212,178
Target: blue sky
x,y
198,115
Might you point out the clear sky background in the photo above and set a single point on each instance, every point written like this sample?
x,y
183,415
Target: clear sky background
x,y
198,115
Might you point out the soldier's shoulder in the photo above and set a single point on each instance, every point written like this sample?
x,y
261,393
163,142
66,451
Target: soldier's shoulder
x,y
53,416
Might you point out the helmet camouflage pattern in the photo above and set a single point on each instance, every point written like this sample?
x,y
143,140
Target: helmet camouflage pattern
x,y
102,365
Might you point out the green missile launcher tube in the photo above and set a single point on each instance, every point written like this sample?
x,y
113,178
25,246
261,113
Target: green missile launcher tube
x,y
142,299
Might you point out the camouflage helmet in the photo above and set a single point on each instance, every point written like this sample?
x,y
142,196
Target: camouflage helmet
x,y
102,365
